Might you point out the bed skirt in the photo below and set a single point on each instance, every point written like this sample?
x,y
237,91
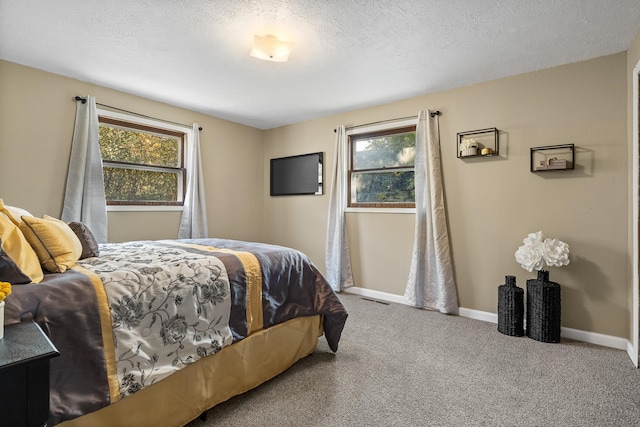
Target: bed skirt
x,y
183,396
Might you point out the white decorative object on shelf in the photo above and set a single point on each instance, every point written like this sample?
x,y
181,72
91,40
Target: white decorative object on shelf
x,y
552,158
469,147
477,143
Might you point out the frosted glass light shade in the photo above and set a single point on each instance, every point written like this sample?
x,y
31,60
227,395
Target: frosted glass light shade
x,y
271,48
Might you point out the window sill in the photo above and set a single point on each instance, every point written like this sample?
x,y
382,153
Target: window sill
x,y
382,210
135,208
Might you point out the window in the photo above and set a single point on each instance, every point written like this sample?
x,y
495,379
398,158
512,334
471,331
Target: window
x,y
143,165
381,172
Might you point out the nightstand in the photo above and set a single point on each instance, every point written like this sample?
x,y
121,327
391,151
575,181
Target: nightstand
x,y
24,375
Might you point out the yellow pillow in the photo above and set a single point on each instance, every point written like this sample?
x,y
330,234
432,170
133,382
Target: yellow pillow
x,y
56,244
16,246
12,212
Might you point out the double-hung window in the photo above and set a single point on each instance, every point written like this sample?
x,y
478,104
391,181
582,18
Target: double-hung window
x,y
143,161
381,168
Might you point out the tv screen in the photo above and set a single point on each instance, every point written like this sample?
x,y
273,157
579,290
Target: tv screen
x,y
296,175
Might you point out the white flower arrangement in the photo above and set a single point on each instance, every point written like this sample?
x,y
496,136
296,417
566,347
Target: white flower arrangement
x,y
468,143
538,252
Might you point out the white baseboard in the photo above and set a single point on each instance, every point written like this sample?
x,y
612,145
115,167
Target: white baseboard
x,y
382,296
485,316
595,338
574,334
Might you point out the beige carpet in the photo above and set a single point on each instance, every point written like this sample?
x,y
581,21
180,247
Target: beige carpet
x,y
400,366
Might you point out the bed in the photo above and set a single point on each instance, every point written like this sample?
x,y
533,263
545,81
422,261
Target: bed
x,y
154,333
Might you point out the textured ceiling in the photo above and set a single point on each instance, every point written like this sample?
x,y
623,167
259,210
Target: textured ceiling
x,y
349,53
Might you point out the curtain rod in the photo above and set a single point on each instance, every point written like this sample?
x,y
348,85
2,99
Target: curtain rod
x,y
84,101
435,113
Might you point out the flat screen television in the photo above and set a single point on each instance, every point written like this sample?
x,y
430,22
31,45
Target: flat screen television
x,y
297,175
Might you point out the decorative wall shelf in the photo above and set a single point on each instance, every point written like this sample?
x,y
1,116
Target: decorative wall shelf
x,y
552,158
486,141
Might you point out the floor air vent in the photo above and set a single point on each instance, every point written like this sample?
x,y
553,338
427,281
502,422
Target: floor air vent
x,y
375,300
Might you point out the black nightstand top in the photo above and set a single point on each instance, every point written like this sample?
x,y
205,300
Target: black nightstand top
x,y
24,342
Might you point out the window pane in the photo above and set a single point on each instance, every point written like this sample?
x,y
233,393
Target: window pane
x,y
383,187
140,185
385,151
133,146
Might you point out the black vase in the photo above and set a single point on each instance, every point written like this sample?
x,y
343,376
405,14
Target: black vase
x,y
511,308
543,309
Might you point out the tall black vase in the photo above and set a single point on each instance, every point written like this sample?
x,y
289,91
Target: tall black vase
x,y
510,308
543,309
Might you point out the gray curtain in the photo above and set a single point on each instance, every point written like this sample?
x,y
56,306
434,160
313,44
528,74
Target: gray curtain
x,y
193,223
84,199
338,261
431,283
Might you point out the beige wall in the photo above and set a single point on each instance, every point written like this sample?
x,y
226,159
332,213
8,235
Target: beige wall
x,y
36,124
493,203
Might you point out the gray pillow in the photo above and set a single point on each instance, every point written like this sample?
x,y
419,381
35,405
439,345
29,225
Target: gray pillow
x,y
89,244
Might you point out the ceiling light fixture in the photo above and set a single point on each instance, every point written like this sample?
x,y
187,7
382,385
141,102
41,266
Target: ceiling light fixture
x,y
271,48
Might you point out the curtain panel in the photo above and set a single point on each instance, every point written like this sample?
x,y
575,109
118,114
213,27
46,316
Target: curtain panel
x,y
84,199
193,223
431,282
338,261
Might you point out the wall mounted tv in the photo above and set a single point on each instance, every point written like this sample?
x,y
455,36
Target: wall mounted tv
x,y
297,175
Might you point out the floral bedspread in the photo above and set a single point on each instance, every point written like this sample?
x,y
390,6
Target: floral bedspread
x,y
147,285
169,307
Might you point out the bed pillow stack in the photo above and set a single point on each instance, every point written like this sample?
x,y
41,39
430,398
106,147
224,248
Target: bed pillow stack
x,y
28,244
